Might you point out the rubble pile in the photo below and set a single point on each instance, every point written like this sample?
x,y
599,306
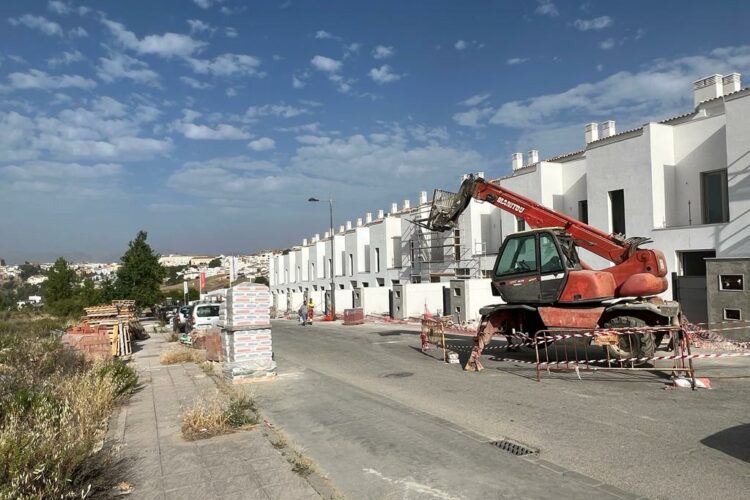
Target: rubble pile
x,y
106,331
245,321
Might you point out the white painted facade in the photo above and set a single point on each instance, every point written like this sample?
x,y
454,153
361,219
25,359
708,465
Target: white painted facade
x,y
659,167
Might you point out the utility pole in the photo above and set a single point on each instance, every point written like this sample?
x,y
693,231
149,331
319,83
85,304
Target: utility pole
x,y
333,256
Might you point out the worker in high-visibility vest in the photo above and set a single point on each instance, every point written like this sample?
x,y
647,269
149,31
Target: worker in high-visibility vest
x,y
310,310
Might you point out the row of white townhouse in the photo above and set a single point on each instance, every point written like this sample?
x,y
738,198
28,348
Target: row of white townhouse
x,y
684,182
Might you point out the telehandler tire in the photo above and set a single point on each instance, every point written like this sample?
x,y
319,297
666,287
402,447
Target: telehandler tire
x,y
636,345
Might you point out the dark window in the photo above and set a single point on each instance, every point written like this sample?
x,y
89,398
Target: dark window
x,y
732,314
617,211
519,256
714,196
520,224
456,245
207,311
694,263
583,211
377,260
548,255
351,265
731,282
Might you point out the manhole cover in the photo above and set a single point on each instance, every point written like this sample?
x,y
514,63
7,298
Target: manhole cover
x,y
398,375
514,448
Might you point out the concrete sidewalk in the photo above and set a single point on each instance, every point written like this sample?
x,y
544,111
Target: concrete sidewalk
x,y
164,466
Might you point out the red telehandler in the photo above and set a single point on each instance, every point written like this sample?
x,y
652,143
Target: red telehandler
x,y
545,285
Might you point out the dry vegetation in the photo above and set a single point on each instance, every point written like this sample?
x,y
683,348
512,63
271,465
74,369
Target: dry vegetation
x,y
54,406
218,415
179,354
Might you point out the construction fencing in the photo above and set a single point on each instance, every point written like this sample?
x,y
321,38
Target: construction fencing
x,y
576,350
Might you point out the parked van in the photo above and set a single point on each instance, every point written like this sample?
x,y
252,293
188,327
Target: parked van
x,y
204,316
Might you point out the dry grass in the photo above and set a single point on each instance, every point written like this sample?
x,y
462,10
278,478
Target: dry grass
x,y
206,418
301,464
177,355
217,415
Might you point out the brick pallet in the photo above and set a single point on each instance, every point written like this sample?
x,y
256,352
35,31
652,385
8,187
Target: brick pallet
x,y
245,321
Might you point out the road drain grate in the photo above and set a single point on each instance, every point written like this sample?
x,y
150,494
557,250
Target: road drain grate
x,y
514,448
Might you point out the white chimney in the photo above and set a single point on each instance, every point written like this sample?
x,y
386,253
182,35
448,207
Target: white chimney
x,y
327,234
532,157
517,161
359,222
422,197
317,237
341,229
407,204
348,225
480,175
368,217
731,83
707,88
608,129
304,242
394,208
592,132
381,214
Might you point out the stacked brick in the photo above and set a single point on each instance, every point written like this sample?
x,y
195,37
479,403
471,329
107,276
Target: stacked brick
x,y
94,342
106,331
245,321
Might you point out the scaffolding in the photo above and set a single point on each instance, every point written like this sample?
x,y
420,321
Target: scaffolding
x,y
434,256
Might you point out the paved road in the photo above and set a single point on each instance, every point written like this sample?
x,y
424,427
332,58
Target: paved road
x,y
386,421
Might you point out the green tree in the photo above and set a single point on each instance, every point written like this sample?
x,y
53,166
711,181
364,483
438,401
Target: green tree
x,y
215,262
61,290
140,276
261,279
28,270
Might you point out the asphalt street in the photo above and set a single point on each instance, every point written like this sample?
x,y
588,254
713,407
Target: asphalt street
x,y
384,420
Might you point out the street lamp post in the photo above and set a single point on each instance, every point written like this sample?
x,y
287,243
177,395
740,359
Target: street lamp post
x,y
333,258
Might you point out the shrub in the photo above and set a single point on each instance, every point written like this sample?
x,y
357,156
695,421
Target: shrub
x,y
53,410
214,416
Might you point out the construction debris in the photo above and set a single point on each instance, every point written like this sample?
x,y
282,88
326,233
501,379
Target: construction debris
x,y
107,330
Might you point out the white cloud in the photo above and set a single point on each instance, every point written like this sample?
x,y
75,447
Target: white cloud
x,y
547,8
106,131
281,110
36,79
462,45
59,7
322,63
652,93
40,23
67,57
194,131
382,52
230,32
607,44
231,177
517,60
476,99
205,4
325,35
384,74
597,23
228,65
166,45
121,66
230,92
196,84
473,117
298,82
68,180
262,144
57,170
198,26
313,139
78,32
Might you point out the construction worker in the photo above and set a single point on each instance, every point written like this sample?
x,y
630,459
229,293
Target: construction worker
x,y
310,310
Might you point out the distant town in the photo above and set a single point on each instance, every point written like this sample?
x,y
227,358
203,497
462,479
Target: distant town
x,y
23,283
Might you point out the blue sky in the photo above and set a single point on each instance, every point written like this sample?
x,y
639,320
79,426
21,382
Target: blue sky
x,y
209,123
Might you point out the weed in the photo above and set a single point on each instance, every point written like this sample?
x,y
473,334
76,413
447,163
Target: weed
x,y
173,337
206,418
179,355
241,411
301,464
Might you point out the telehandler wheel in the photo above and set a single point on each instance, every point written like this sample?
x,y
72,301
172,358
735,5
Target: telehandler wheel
x,y
637,345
